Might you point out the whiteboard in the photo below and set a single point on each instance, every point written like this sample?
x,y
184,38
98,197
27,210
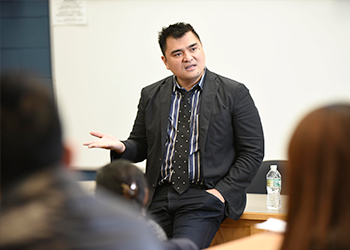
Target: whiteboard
x,y
292,55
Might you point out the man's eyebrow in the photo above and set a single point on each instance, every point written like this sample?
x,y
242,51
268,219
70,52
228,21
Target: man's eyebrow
x,y
179,50
192,45
175,51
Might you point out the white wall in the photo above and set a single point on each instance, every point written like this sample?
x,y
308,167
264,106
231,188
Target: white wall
x,y
292,55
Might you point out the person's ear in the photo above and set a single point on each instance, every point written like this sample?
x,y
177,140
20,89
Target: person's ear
x,y
165,61
68,153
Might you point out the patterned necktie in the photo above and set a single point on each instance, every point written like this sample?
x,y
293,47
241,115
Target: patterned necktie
x,y
180,181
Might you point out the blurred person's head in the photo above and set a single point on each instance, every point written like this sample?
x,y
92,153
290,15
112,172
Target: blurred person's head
x,y
31,137
319,181
124,179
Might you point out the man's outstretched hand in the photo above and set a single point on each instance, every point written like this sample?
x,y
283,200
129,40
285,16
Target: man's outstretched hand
x,y
107,142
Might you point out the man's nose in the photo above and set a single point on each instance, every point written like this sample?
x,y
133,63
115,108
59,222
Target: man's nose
x,y
187,57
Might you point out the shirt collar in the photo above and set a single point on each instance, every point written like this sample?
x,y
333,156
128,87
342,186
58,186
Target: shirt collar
x,y
199,84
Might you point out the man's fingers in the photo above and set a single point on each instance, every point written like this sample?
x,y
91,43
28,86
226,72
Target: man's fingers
x,y
97,134
94,145
104,142
88,143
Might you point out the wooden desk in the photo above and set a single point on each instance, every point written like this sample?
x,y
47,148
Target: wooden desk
x,y
255,212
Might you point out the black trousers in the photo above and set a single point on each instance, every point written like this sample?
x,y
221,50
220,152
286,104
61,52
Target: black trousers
x,y
195,214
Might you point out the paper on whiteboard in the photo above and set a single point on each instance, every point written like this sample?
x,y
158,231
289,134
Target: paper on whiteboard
x,y
68,12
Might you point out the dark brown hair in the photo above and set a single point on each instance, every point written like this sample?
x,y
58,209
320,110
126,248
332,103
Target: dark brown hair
x,y
122,178
319,181
31,135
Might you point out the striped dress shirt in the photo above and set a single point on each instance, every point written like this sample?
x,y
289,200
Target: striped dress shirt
x,y
194,170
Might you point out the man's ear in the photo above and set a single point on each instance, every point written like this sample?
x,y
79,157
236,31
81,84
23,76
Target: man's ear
x,y
165,61
68,153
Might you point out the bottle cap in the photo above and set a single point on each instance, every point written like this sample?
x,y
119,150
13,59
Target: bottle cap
x,y
273,167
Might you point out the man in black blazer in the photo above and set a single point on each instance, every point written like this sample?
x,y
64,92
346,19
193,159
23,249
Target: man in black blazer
x,y
226,143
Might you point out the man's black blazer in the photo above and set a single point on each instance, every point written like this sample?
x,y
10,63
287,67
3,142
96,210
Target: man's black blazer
x,y
231,138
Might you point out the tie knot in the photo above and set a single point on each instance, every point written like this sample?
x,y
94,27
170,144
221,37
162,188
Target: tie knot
x,y
186,94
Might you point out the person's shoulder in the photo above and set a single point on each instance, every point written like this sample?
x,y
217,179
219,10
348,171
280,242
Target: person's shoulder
x,y
104,221
157,84
165,84
225,84
70,216
222,80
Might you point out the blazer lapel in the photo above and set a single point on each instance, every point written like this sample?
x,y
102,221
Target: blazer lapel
x,y
165,98
210,88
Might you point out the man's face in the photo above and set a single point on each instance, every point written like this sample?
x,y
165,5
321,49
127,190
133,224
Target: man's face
x,y
185,58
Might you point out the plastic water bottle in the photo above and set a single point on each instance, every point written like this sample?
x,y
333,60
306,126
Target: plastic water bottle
x,y
273,186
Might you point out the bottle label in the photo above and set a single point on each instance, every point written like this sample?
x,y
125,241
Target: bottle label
x,y
273,182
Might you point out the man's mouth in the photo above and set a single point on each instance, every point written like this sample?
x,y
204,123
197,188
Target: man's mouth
x,y
189,67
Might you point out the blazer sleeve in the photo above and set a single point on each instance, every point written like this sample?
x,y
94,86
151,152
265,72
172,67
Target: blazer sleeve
x,y
249,149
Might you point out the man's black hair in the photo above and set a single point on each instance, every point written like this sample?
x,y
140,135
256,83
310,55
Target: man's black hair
x,y
176,30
